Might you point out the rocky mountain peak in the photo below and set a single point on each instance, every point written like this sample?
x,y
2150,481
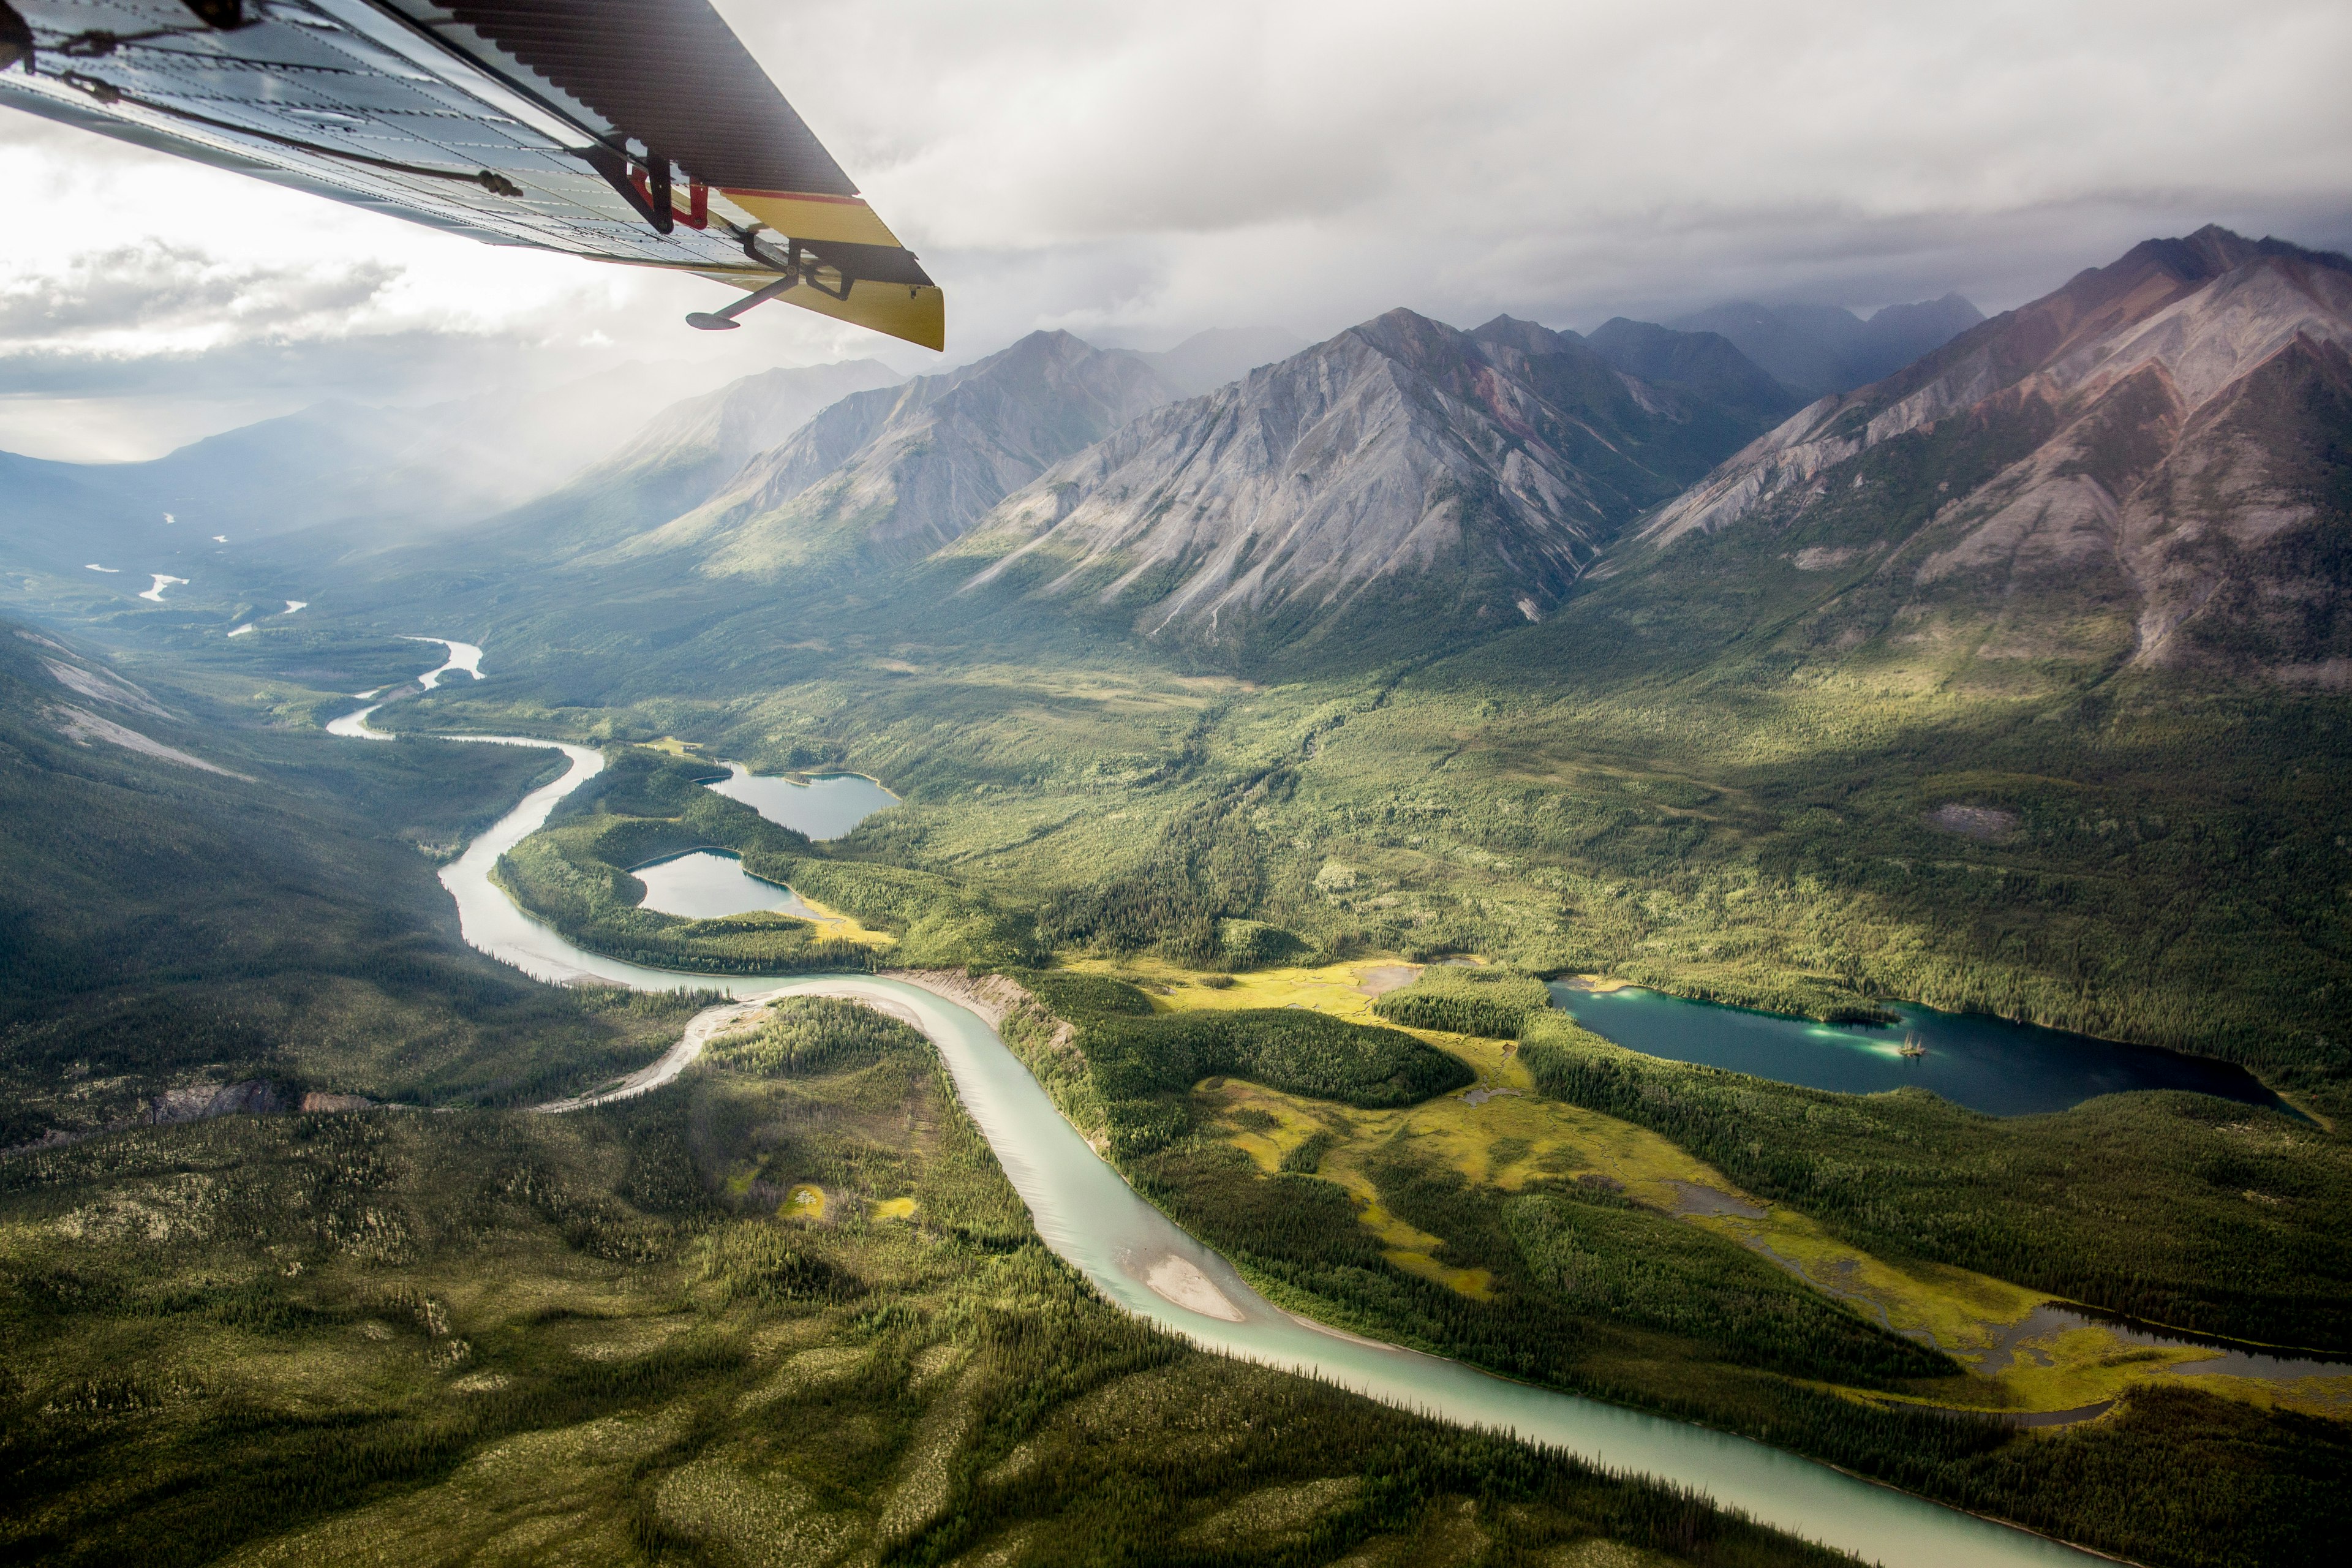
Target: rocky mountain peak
x,y
1709,362
894,473
1208,360
1403,462
1527,337
2198,258
748,414
1821,349
683,455
2171,425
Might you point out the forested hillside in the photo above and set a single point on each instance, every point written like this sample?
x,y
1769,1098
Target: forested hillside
x,y
193,898
591,1334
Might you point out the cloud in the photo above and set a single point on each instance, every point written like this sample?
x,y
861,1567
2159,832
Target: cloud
x,y
1137,172
393,366
158,300
161,291
1318,161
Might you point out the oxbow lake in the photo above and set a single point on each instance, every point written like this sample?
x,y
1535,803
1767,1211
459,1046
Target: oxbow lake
x,y
707,884
827,807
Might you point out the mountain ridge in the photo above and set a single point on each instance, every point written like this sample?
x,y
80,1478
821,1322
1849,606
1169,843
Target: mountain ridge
x,y
1818,350
1208,360
1475,474
2156,433
887,476
687,451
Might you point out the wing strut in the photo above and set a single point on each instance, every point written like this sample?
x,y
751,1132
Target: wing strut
x,y
799,265
723,318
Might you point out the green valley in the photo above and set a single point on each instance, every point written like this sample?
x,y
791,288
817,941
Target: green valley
x,y
1262,747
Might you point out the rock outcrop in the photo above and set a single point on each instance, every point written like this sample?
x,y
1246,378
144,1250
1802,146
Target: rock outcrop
x,y
203,1102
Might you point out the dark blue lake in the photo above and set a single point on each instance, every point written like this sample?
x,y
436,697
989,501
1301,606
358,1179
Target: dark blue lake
x,y
1984,1063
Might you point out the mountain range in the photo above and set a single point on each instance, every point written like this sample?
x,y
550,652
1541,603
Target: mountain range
x,y
1473,475
1814,349
890,474
1477,473
340,474
685,452
2142,455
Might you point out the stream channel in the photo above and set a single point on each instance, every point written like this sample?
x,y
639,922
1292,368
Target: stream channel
x,y
1088,1215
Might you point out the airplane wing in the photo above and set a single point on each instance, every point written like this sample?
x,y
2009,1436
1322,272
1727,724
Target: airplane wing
x,y
630,131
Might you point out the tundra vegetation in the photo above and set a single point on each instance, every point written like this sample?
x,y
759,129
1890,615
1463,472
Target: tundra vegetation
x,y
1205,827
1493,1230
614,1336
1781,843
2174,1208
1643,787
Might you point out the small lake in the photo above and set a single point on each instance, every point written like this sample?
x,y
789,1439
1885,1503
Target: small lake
x,y
1984,1063
827,807
705,884
1086,1213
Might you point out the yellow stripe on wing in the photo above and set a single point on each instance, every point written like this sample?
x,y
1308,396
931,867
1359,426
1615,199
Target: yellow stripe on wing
x,y
915,312
846,220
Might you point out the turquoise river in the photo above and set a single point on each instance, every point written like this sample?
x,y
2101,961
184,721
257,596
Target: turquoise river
x,y
1139,1258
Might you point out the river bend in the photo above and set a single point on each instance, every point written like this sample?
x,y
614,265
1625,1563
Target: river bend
x,y
1139,1258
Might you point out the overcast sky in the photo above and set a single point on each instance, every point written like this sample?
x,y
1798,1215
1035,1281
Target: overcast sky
x,y
1136,173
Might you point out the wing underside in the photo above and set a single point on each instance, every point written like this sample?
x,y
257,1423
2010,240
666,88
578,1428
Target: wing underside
x,y
639,131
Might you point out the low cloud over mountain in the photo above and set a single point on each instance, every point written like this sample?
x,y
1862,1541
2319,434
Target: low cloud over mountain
x,y
1817,349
